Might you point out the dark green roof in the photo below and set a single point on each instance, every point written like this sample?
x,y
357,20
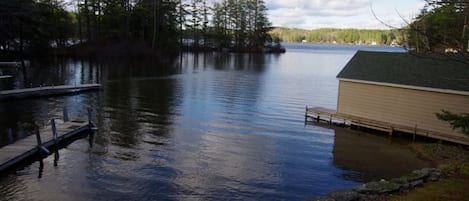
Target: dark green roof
x,y
408,69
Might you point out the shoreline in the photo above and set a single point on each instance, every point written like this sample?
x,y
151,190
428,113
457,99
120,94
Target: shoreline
x,y
452,170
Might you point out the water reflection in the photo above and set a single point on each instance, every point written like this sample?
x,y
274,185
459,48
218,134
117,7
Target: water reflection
x,y
374,157
209,126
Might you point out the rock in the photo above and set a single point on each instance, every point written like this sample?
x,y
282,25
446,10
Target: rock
x,y
390,187
360,189
419,174
401,181
377,190
434,176
344,195
380,187
416,183
322,198
368,188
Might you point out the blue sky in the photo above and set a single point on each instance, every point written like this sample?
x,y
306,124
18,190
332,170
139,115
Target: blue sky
x,y
312,14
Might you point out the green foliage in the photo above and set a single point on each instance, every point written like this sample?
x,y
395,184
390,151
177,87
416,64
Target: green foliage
x,y
29,26
440,25
35,25
455,120
244,22
341,36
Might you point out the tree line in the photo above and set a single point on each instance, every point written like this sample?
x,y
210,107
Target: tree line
x,y
33,26
341,36
27,25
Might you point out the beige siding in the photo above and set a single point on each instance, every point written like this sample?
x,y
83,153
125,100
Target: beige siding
x,y
408,107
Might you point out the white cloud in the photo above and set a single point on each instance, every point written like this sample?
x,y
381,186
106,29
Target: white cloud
x,y
310,14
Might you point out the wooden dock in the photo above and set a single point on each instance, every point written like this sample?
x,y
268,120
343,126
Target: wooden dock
x,y
46,91
330,116
52,136
10,64
5,76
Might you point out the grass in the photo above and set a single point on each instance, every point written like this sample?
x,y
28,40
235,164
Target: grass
x,y
453,160
442,190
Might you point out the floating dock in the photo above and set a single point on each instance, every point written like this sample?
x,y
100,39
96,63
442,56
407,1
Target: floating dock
x,y
46,91
50,137
5,76
10,63
330,116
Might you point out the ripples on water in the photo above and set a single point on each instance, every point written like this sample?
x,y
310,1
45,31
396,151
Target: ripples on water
x,y
206,127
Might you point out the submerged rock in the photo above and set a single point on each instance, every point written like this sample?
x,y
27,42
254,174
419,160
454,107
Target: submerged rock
x,y
419,174
376,189
322,198
416,183
344,195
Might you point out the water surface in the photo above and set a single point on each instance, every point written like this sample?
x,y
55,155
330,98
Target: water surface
x,y
212,126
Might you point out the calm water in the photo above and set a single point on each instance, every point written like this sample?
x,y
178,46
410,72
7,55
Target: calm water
x,y
204,127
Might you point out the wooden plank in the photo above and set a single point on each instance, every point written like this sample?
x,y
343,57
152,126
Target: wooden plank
x,y
27,147
46,91
11,63
5,76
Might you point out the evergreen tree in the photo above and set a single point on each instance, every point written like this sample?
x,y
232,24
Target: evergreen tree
x,y
440,25
243,22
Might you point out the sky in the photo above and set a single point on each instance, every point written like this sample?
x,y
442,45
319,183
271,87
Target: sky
x,y
313,14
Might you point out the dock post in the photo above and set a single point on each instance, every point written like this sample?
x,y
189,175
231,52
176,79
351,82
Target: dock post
x,y
306,114
41,169
10,135
54,133
90,121
90,139
20,132
56,157
65,113
39,143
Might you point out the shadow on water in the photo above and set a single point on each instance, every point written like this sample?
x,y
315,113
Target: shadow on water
x,y
375,157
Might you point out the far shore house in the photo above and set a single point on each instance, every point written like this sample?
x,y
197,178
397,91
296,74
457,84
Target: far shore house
x,y
403,92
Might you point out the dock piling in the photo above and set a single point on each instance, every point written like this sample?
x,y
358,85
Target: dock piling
x,y
20,132
90,121
10,135
306,114
54,132
41,169
56,157
90,139
65,114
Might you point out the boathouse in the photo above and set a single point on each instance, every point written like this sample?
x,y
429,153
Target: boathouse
x,y
403,92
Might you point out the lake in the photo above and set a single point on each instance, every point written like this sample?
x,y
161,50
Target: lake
x,y
212,126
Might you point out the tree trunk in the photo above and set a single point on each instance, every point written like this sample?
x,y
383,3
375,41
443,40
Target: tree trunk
x,y
80,32
88,26
153,43
95,19
181,21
